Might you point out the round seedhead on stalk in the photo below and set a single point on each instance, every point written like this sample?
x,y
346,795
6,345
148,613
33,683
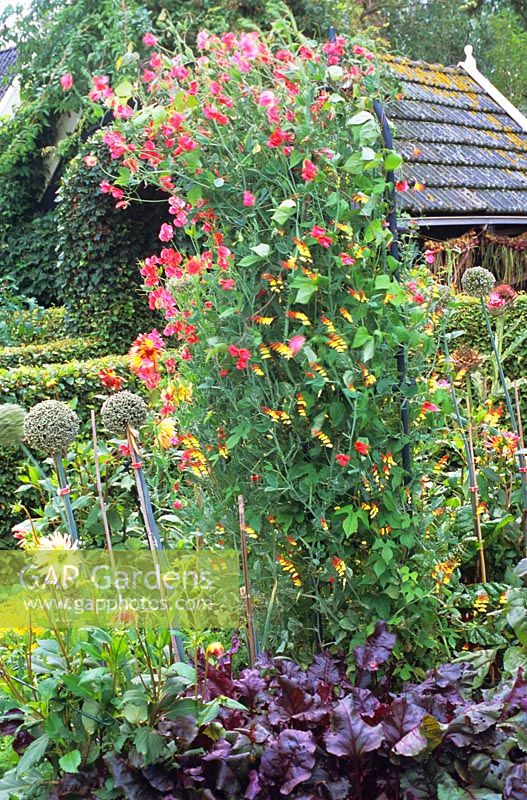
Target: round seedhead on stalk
x,y
123,410
477,282
11,424
51,426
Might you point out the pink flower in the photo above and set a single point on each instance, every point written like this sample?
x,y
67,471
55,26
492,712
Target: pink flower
x,y
228,284
267,99
430,256
296,344
90,161
202,40
342,459
166,232
402,186
309,170
177,504
429,407
321,236
346,259
66,81
149,39
248,199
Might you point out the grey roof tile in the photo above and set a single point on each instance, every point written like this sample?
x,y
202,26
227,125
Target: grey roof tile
x,y
457,141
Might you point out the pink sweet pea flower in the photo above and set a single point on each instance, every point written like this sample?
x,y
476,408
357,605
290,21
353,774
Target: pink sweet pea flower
x,y
149,39
166,232
228,284
66,81
309,170
90,161
342,459
296,344
248,199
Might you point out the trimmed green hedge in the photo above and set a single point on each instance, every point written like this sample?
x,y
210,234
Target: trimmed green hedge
x,y
468,317
39,325
53,352
75,379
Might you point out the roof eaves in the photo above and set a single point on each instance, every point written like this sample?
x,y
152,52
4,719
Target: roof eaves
x,y
470,67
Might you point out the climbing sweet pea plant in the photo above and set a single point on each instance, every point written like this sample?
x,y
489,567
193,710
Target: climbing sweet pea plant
x,y
274,371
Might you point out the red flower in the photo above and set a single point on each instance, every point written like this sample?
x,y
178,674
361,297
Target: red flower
x,y
402,186
362,448
309,170
342,459
110,379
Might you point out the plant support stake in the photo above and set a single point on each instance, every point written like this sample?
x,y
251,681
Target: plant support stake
x,y
251,632
64,492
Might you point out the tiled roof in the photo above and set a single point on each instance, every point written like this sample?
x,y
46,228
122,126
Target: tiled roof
x,y
456,140
7,59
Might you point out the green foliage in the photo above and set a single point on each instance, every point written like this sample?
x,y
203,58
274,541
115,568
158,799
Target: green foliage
x,y
28,253
296,325
28,385
53,352
98,248
77,382
35,325
468,323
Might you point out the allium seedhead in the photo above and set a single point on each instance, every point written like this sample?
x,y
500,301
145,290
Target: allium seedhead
x,y
478,282
466,358
11,424
123,409
51,426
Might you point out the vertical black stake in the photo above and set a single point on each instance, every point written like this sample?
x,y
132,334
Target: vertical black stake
x,y
395,253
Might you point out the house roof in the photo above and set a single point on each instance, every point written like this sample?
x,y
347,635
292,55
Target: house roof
x,y
459,142
7,59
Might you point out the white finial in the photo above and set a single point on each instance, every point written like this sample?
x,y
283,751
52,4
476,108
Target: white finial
x,y
470,67
469,55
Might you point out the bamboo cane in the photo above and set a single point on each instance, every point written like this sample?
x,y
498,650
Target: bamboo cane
x,y
473,488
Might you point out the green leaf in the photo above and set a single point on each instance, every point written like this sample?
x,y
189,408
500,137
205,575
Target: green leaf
x,y
360,118
124,90
248,261
261,250
149,743
285,210
383,282
70,761
362,336
392,162
33,754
